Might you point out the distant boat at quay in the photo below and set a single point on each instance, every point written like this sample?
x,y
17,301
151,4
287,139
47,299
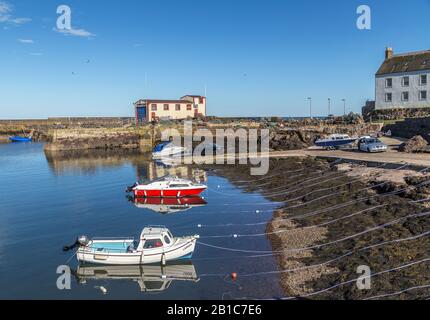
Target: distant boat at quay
x,y
20,139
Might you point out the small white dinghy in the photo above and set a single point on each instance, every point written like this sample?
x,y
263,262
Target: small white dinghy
x,y
156,245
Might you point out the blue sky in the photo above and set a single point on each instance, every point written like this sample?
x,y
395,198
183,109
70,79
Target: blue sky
x,y
256,58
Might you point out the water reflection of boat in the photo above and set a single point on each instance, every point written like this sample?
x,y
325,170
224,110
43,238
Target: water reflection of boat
x,y
151,278
169,205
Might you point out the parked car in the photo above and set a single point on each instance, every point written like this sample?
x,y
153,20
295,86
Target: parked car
x,y
368,144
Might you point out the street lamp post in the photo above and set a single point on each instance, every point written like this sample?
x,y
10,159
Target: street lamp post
x,y
344,107
329,107
310,106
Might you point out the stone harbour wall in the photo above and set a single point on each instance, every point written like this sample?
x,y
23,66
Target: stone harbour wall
x,y
411,127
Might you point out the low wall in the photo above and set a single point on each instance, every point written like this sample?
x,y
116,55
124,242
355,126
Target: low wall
x,y
411,127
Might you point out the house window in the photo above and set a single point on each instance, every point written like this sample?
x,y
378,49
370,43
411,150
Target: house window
x,y
189,108
405,96
388,97
166,107
389,83
153,107
201,100
178,107
405,81
423,95
423,79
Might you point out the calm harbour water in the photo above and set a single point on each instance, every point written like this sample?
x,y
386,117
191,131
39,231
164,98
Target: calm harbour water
x,y
46,201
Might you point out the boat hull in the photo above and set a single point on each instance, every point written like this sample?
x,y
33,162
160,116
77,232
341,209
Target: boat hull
x,y
181,251
168,193
19,139
334,143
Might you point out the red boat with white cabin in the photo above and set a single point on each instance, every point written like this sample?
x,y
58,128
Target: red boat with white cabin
x,y
168,187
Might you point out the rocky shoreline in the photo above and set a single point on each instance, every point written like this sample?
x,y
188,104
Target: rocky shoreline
x,y
333,231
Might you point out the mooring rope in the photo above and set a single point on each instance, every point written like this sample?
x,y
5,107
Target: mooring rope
x,y
216,190
379,227
398,292
401,267
305,203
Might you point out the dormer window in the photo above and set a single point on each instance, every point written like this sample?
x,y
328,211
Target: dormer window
x,y
389,83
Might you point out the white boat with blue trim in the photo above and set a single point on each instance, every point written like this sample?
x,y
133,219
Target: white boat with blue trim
x,y
335,141
156,245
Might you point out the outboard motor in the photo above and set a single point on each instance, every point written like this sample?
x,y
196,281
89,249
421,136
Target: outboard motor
x,y
81,241
130,188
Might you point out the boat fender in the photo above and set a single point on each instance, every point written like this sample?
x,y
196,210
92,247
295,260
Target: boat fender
x,y
102,289
233,276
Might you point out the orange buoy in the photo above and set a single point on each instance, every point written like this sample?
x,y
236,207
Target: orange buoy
x,y
234,275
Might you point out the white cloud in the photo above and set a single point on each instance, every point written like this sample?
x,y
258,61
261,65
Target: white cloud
x,y
76,32
20,20
6,16
26,41
5,7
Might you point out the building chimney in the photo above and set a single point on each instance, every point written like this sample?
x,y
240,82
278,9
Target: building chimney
x,y
388,53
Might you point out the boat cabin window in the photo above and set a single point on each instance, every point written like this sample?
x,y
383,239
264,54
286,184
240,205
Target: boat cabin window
x,y
170,235
152,243
177,185
166,239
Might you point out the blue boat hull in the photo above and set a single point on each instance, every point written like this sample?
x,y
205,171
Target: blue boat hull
x,y
20,139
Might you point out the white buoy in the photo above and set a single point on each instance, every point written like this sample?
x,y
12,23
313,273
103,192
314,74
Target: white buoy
x,y
235,236
199,226
163,276
257,211
103,289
